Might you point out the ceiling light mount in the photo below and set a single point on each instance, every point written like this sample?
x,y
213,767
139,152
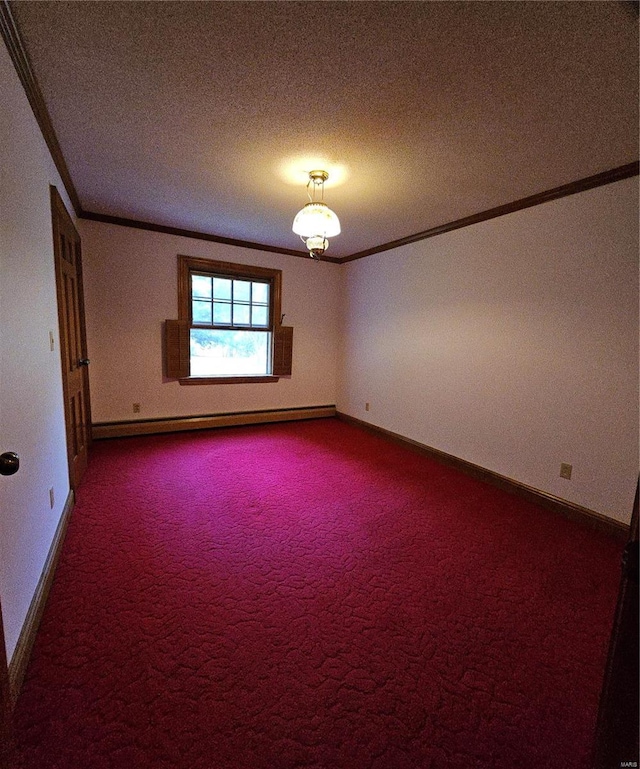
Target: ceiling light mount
x,y
316,222
318,177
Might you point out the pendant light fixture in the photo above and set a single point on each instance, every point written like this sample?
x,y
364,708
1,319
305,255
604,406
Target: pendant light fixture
x,y
316,222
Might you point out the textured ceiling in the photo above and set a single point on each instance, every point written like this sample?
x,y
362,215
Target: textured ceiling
x,y
207,115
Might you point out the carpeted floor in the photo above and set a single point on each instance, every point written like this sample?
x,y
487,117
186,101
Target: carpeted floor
x,y
309,595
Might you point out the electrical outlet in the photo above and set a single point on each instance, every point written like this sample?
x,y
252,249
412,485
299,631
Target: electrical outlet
x,y
52,498
565,471
366,407
136,408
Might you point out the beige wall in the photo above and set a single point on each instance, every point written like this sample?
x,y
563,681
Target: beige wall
x,y
512,344
31,407
130,280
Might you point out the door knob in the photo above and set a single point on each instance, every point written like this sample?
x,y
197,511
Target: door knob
x,y
84,362
9,463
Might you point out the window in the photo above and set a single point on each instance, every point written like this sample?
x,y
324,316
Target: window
x,y
229,324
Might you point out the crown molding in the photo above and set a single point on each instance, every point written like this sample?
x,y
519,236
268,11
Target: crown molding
x,y
167,230
581,185
20,59
588,183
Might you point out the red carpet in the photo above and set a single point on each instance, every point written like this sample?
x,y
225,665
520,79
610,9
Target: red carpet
x,y
308,595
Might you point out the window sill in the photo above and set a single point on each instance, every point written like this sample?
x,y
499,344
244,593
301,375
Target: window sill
x,y
209,380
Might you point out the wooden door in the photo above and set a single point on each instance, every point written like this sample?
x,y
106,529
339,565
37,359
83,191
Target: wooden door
x,y
617,731
73,343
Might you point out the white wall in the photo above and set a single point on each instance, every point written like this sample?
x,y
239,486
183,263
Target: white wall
x,y
512,344
130,281
31,406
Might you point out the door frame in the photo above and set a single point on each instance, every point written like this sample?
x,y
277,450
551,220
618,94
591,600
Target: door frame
x,y
616,736
6,705
60,218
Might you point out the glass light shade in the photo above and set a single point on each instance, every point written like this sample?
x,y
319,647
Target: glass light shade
x,y
316,220
317,244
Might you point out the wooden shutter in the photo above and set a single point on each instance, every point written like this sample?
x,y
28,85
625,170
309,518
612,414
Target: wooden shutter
x,y
282,350
176,348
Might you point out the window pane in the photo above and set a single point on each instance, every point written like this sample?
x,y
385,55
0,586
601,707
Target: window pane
x,y
201,312
230,353
241,314
260,293
259,316
222,314
241,290
201,286
222,288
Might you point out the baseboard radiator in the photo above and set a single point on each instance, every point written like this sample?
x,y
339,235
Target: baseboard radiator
x,y
124,429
